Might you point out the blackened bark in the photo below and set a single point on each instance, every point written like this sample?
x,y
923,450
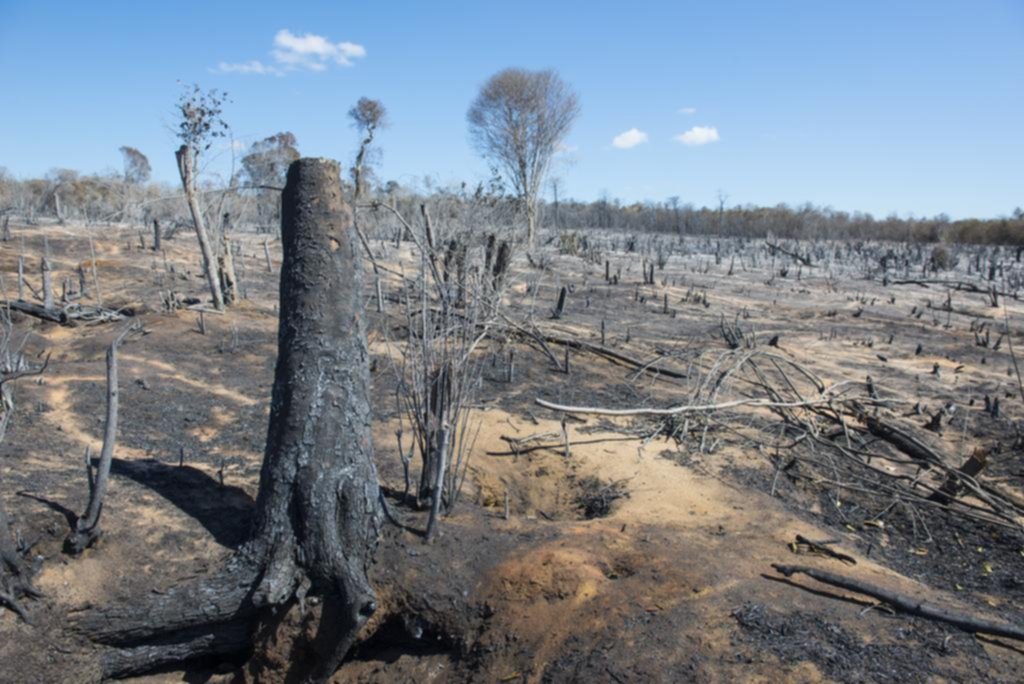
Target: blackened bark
x,y
318,505
501,263
318,510
87,527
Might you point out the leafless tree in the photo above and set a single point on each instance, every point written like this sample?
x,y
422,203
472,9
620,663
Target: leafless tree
x,y
517,122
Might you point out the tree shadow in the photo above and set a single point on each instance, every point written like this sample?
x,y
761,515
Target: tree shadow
x,y
225,511
68,514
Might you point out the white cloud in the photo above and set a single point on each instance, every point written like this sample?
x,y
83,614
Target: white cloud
x,y
628,139
314,52
293,52
564,148
688,110
698,135
251,67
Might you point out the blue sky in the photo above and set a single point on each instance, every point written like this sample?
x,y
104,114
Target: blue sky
x,y
908,107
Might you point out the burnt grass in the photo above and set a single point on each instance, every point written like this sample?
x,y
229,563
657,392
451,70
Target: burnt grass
x,y
968,558
842,656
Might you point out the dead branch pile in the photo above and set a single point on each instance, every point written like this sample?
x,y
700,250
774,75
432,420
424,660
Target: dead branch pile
x,y
847,437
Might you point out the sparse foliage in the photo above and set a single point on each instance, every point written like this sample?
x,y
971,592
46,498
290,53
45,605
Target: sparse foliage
x,y
367,116
517,122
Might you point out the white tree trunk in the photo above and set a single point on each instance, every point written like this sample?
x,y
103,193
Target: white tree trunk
x,y
185,168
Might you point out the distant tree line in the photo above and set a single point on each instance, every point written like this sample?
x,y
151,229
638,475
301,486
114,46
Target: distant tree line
x,y
251,198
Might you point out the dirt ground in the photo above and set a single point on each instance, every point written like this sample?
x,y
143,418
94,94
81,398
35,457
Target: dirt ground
x,y
668,577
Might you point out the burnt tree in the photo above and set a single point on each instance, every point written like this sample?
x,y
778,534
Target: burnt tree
x,y
318,511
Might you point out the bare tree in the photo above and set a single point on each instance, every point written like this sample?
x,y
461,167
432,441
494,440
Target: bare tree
x,y
517,122
673,202
199,124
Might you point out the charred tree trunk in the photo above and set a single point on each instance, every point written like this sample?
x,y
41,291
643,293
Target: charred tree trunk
x,y
318,509
87,527
501,263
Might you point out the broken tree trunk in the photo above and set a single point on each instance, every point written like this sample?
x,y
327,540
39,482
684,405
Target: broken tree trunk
x,y
318,509
52,314
44,268
226,269
953,485
87,527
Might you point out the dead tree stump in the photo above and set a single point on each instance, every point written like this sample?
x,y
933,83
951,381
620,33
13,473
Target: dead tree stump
x,y
318,511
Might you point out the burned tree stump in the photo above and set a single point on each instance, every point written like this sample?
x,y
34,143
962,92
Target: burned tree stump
x,y
318,511
502,260
44,268
559,309
87,527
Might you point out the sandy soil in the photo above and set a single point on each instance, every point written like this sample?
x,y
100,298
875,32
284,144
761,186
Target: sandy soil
x,y
674,584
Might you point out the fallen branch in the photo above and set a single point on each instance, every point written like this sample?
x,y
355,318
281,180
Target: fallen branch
x,y
907,604
824,401
613,355
778,248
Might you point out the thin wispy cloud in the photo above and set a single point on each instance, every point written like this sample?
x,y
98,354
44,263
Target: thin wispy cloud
x,y
251,67
698,135
628,139
291,52
688,110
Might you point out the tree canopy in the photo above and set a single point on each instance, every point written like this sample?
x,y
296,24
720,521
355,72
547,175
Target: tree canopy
x,y
517,122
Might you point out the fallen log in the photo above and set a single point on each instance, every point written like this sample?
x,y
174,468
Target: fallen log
x,y
70,314
903,441
907,604
41,312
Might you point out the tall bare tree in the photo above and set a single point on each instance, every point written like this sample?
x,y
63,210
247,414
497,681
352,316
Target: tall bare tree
x,y
517,122
199,124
